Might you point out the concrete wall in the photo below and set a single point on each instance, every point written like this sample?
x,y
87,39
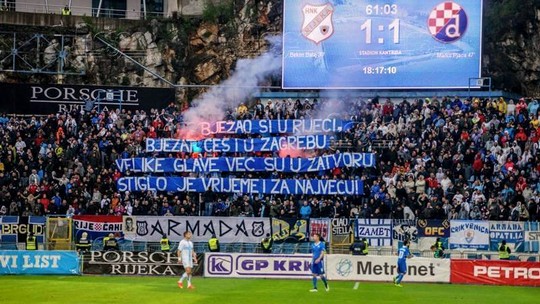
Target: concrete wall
x,y
31,19
84,7
187,7
78,7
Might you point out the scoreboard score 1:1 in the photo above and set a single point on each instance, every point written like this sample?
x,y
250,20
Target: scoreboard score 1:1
x,y
381,44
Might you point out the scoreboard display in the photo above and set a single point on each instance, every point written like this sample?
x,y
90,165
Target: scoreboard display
x,y
381,44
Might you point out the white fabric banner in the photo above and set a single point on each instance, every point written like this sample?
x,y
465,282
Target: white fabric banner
x,y
239,265
228,230
383,268
469,234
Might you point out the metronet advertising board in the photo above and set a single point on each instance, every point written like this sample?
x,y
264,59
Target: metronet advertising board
x,y
238,265
39,262
383,268
381,44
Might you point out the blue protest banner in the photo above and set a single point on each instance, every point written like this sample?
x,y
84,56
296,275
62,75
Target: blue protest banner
x,y
246,164
39,262
264,144
266,126
238,185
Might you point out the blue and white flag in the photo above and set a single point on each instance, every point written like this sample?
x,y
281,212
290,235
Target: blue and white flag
x,y
246,164
511,232
378,232
469,234
532,236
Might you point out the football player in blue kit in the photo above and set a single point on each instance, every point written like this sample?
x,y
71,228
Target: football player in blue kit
x,y
317,263
403,255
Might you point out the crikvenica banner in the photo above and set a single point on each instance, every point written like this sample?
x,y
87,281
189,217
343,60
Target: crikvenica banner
x,y
265,144
246,164
266,126
227,229
469,234
238,185
39,262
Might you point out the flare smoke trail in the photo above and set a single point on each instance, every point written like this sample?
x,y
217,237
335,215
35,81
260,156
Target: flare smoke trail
x,y
239,87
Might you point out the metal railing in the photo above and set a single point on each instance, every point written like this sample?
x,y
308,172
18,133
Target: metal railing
x,y
42,8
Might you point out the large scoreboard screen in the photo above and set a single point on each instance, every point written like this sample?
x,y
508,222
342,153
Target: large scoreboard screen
x,y
381,44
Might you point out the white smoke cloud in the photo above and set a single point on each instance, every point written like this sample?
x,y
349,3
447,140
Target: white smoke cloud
x,y
238,88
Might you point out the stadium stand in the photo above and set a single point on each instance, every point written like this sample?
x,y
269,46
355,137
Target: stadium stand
x,y
437,158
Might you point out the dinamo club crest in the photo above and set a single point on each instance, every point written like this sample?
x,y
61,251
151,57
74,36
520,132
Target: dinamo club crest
x,y
317,25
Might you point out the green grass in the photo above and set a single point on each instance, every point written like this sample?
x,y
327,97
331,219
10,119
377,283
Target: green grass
x,y
134,290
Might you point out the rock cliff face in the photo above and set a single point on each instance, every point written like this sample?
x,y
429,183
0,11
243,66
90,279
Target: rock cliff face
x,y
202,50
511,49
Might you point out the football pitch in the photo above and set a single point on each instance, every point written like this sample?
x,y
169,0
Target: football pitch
x,y
107,289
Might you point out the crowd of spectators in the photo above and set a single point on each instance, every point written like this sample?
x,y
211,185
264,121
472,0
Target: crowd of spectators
x,y
446,158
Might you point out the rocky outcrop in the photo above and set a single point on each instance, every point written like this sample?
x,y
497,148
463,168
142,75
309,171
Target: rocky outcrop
x,y
200,51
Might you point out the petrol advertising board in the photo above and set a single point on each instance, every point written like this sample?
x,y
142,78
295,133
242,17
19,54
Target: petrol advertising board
x,y
495,272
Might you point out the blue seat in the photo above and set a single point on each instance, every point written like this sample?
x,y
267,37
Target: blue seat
x,y
97,244
8,246
277,248
126,245
289,248
139,246
303,248
250,248
236,247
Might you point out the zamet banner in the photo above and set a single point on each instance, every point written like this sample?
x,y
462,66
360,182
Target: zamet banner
x,y
228,230
15,229
134,263
47,99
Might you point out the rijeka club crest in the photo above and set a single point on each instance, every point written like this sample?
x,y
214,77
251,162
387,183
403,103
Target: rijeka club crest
x,y
317,25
